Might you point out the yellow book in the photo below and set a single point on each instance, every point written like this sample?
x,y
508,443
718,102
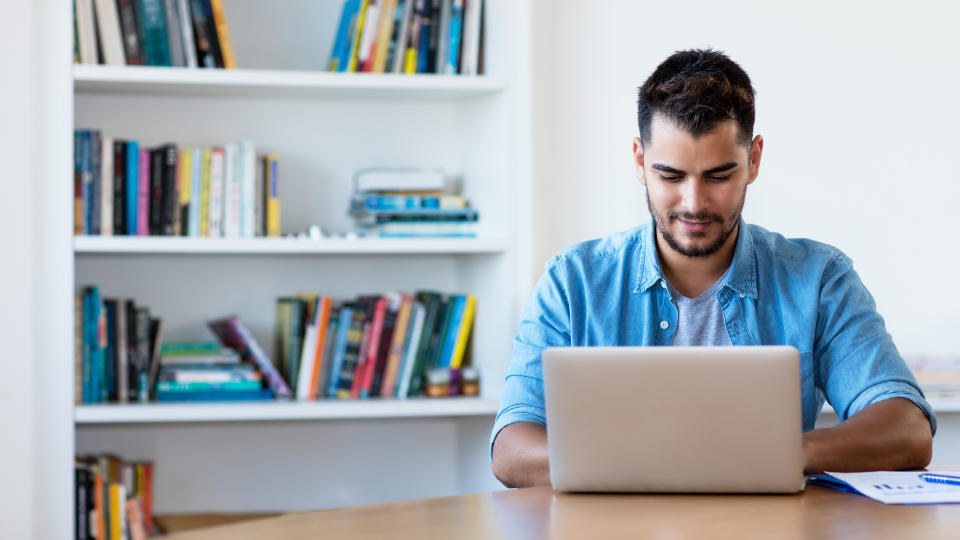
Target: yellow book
x,y
387,18
357,33
183,189
463,334
117,509
220,21
273,195
205,193
410,61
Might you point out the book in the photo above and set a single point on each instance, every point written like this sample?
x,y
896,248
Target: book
x,y
223,36
250,183
321,328
141,369
448,336
94,210
338,53
154,225
379,307
216,199
357,36
323,380
174,33
119,187
452,64
106,186
464,328
133,55
381,46
232,333
397,346
414,335
400,51
345,320
232,179
87,33
215,395
108,29
196,192
143,192
153,22
205,192
169,203
110,307
153,370
394,37
202,35
215,45
122,352
348,368
186,32
412,43
273,196
368,37
133,186
281,336
184,190
471,37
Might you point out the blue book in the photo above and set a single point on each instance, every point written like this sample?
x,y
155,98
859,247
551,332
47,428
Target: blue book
x,y
450,336
153,19
133,190
423,48
86,178
87,344
453,49
216,395
346,314
340,55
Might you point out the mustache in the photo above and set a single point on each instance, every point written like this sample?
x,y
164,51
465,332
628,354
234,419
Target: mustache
x,y
701,217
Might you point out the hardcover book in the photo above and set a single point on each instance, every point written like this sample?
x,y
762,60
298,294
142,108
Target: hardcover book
x,y
234,334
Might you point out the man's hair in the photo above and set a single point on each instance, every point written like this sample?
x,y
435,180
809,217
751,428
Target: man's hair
x,y
697,89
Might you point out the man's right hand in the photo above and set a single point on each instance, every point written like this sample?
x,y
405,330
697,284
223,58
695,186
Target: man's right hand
x,y
520,457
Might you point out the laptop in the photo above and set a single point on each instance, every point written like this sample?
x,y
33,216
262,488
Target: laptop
x,y
674,419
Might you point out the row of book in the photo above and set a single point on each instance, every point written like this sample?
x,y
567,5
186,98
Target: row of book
x,y
186,33
409,36
408,203
373,346
123,188
113,499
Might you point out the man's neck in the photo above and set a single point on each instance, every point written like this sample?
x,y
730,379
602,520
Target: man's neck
x,y
691,276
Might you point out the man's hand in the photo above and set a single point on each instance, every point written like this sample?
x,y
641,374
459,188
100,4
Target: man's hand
x,y
889,435
520,457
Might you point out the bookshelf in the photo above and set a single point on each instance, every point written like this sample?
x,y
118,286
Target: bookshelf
x,y
288,456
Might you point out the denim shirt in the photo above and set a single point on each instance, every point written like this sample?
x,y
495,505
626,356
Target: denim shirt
x,y
779,291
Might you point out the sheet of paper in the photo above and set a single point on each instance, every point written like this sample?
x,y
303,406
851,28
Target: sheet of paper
x,y
901,487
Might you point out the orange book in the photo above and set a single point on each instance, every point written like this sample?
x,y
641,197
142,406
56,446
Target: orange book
x,y
137,528
99,504
396,346
147,498
220,21
323,323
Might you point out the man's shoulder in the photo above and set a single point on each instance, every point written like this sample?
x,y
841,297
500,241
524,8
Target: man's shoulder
x,y
772,247
607,249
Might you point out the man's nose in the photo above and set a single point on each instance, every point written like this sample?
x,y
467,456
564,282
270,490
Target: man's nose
x,y
694,196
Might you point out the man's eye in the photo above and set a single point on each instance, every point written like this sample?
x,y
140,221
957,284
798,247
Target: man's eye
x,y
720,178
671,178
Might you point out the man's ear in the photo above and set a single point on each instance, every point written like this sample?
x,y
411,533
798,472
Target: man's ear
x,y
638,160
756,152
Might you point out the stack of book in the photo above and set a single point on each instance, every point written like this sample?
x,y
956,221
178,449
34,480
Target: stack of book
x,y
121,188
409,36
410,203
116,349
113,499
185,33
206,371
373,346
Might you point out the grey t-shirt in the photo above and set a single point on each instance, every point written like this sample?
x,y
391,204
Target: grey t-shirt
x,y
700,319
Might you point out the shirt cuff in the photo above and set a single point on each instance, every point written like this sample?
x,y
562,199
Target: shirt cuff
x,y
893,389
513,414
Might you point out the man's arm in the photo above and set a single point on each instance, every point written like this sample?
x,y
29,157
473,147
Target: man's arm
x,y
520,456
889,435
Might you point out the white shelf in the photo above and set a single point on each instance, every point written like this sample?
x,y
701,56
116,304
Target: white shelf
x,y
140,80
282,410
283,246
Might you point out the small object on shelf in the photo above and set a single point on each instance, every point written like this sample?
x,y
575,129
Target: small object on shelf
x,y
470,381
438,382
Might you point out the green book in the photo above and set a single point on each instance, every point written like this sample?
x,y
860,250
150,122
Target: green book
x,y
232,386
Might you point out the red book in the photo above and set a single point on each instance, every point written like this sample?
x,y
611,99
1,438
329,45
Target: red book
x,y
370,360
143,194
361,361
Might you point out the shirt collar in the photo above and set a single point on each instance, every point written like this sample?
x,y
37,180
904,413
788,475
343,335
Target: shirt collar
x,y
743,274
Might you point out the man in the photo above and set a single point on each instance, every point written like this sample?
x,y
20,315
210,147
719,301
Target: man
x,y
698,275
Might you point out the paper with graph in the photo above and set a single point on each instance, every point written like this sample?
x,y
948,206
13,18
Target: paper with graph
x,y
901,487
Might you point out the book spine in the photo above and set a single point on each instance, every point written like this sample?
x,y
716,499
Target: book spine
x,y
273,197
378,62
399,55
337,52
169,222
142,367
186,33
471,38
322,326
156,192
223,36
414,335
344,322
249,185
133,186
174,33
215,225
205,193
122,353
110,360
77,185
369,361
452,66
396,349
434,42
412,43
106,187
449,336
86,26
108,28
131,38
234,334
154,26
351,354
202,37
423,47
443,36
383,347
96,182
196,191
86,181
212,32
143,193
357,36
368,41
432,326
232,181
463,331
119,187
185,189
394,39
295,341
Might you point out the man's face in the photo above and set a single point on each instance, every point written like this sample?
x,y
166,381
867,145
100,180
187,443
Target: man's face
x,y
696,186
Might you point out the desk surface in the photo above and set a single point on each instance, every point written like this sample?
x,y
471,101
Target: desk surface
x,y
542,513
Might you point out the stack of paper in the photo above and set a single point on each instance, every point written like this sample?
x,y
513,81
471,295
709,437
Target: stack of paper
x,y
900,487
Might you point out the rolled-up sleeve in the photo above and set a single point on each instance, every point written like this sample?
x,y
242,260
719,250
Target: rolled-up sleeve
x,y
857,362
545,323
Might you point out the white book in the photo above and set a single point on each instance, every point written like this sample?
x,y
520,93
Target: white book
x,y
108,26
399,180
369,33
174,40
86,32
307,356
196,192
249,187
106,186
471,37
186,33
412,345
215,229
231,211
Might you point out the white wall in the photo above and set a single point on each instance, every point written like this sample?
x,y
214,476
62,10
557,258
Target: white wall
x,y
857,105
35,228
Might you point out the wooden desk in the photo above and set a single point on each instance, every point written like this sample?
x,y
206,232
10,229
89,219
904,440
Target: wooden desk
x,y
542,513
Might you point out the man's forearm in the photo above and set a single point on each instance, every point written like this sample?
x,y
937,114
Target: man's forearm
x,y
520,457
893,434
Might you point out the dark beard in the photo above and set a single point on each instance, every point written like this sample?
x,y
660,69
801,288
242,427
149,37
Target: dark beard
x,y
694,252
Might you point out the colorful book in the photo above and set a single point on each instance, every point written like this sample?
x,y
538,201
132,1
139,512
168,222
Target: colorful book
x,y
380,308
452,64
381,46
348,369
202,34
357,36
232,333
368,39
345,319
273,196
451,329
215,212
184,189
435,313
400,51
397,346
321,327
414,334
216,395
464,328
341,45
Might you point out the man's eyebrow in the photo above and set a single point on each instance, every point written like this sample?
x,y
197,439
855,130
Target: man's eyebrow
x,y
670,170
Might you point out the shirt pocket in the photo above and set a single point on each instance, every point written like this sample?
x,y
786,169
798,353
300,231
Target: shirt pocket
x,y
808,391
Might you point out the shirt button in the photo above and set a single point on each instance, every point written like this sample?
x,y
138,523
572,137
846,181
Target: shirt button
x,y
664,325
663,284
742,295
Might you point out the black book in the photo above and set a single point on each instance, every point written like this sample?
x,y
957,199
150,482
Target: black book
x,y
110,306
131,36
130,369
434,40
157,157
156,340
201,34
383,348
119,187
96,156
143,354
84,503
433,304
170,193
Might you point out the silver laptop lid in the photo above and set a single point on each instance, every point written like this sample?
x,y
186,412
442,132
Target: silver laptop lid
x,y
674,419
